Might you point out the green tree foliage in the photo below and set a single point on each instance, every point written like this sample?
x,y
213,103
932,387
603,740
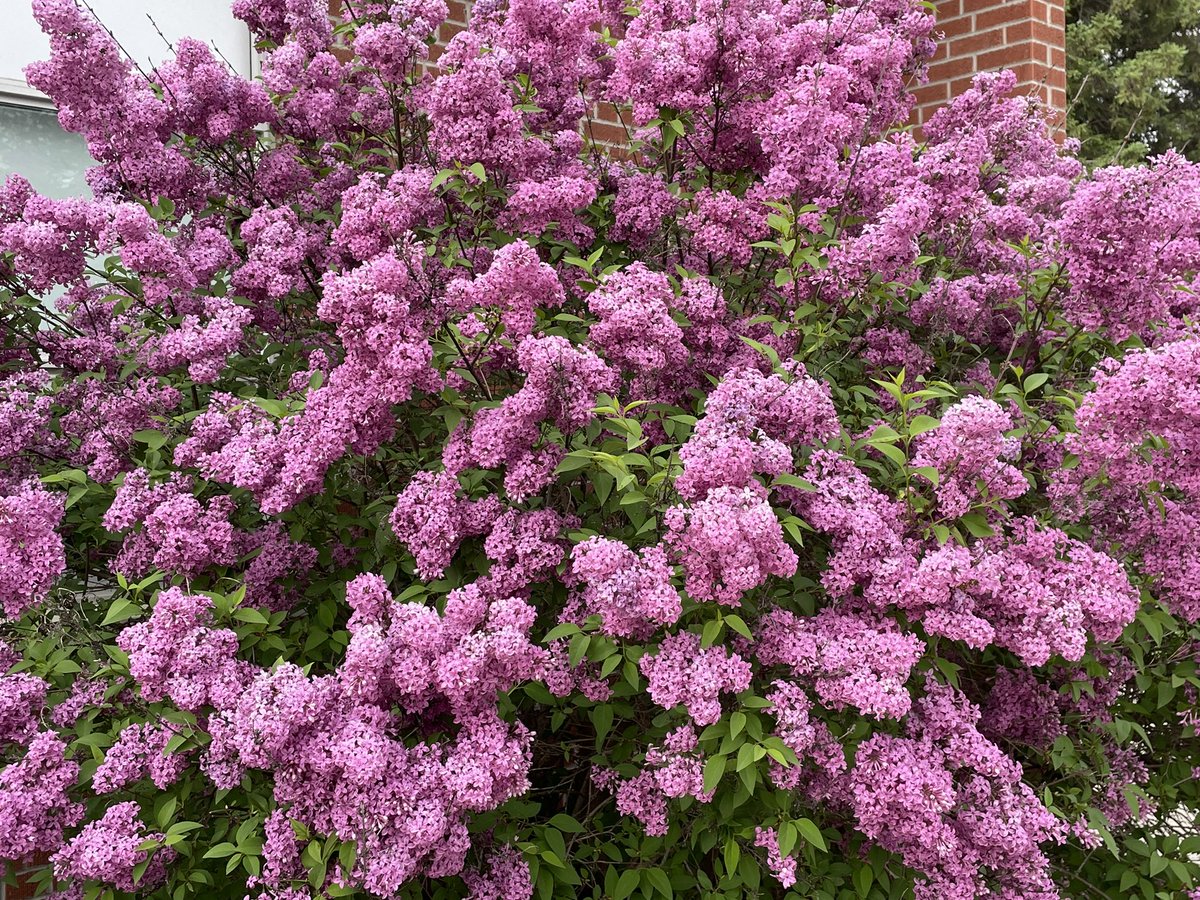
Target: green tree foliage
x,y
1133,69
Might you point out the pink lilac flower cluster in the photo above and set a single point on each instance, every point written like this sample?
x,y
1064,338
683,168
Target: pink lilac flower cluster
x,y
1130,238
631,592
506,877
108,851
682,672
330,742
1021,708
821,757
517,284
178,533
953,805
22,698
871,554
782,867
673,770
177,654
377,215
729,543
1136,440
140,752
410,656
25,412
635,329
393,46
972,456
850,660
49,239
525,548
1036,592
203,345
105,416
374,311
34,793
32,554
641,206
125,123
561,385
431,519
750,426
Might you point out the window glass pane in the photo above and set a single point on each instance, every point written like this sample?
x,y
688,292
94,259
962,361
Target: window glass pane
x,y
33,144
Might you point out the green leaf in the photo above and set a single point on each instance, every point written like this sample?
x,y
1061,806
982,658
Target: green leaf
x,y
811,833
863,878
566,823
140,869
714,769
745,756
122,609
787,838
977,524
739,625
77,476
929,473
922,424
602,719
573,462
732,854
166,811
220,851
348,855
75,494
150,437
579,646
786,480
892,452
883,434
659,881
250,615
560,631
626,884
737,721
1035,381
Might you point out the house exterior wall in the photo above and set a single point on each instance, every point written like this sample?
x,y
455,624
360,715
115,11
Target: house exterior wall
x,y
1027,36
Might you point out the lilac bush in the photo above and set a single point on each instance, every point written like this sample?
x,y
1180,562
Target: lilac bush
x,y
404,495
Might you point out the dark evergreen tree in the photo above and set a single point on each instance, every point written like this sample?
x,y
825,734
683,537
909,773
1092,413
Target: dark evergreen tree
x,y
1134,77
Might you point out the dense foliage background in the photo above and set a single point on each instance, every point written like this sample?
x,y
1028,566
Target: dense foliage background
x,y
402,495
1133,71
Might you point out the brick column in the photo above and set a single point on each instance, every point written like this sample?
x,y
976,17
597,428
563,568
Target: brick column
x,y
1027,36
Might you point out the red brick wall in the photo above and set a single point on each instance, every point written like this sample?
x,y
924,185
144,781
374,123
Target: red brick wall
x,y
1027,36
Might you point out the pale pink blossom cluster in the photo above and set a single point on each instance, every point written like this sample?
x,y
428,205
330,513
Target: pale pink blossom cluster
x,y
850,660
673,770
953,805
32,554
684,673
631,592
972,456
